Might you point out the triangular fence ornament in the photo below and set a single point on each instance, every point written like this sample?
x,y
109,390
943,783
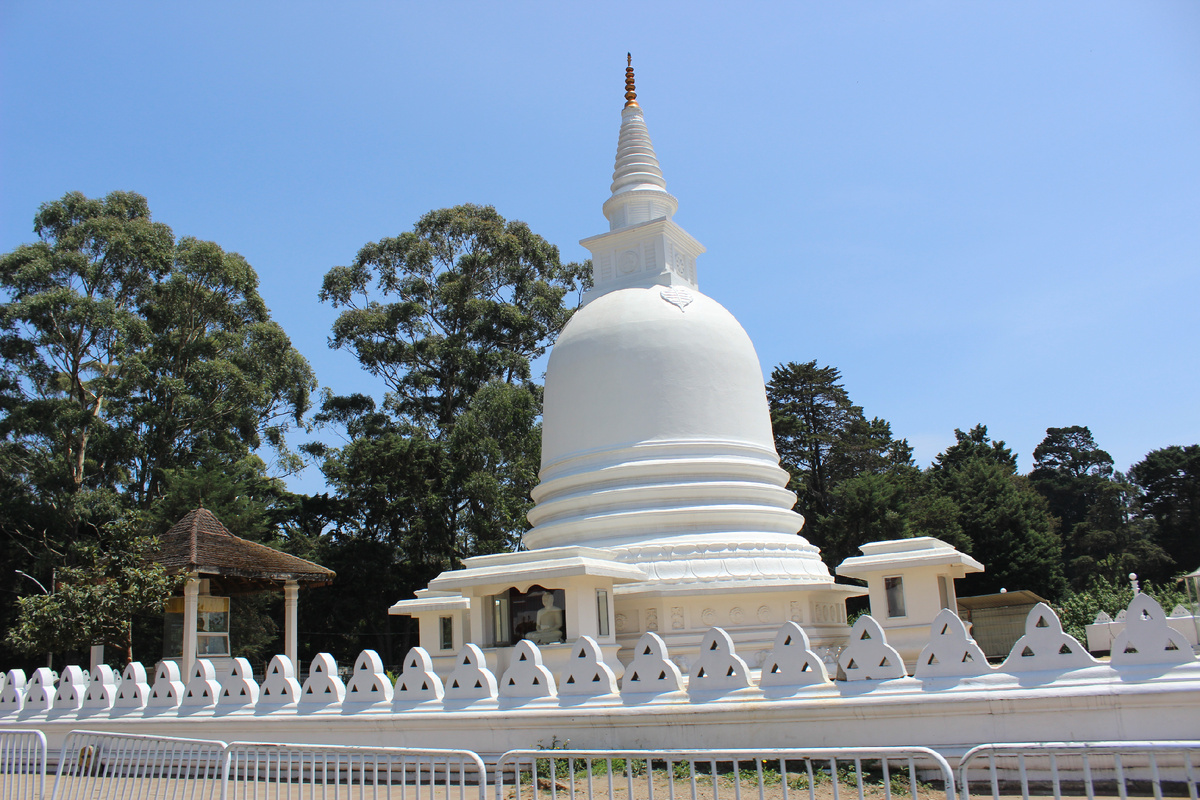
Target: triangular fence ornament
x,y
279,686
202,687
418,683
1148,638
792,662
718,668
526,677
471,679
651,671
72,687
39,695
167,689
586,674
369,683
12,695
239,687
869,656
134,689
323,686
1045,647
102,688
1180,611
951,653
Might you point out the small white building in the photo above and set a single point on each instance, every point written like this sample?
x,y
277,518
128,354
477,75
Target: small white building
x,y
909,582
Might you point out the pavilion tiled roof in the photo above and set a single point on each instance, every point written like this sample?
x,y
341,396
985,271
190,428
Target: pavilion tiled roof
x,y
200,543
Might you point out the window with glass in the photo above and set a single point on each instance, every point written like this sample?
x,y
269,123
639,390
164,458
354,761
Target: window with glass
x,y
893,588
212,627
602,612
447,633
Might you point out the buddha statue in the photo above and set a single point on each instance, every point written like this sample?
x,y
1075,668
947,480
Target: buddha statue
x,y
549,622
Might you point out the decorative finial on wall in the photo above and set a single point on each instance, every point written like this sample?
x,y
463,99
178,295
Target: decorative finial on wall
x,y
630,93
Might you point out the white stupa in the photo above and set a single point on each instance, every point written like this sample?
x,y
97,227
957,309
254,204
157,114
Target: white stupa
x,y
660,487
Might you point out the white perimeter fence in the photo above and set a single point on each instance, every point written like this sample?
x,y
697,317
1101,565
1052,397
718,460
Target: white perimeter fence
x,y
298,770
1091,769
127,766
667,774
22,765
107,766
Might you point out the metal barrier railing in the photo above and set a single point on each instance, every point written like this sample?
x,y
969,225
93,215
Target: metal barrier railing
x,y
22,764
119,765
332,771
1104,769
782,773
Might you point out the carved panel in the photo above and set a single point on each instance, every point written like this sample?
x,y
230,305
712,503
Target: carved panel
x,y
629,262
605,269
677,618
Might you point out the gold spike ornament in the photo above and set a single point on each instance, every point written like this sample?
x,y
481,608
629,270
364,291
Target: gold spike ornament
x,y
630,93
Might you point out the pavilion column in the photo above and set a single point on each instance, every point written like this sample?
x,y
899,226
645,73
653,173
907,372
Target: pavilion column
x,y
191,607
291,596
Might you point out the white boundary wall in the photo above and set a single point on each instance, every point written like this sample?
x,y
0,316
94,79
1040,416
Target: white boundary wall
x,y
1049,689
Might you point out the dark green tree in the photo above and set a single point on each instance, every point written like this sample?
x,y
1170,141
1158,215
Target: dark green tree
x,y
811,412
1169,480
94,601
1070,471
1114,539
852,479
1104,535
1006,521
974,445
450,316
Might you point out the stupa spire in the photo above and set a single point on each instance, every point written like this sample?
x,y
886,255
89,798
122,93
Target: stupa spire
x,y
643,246
636,170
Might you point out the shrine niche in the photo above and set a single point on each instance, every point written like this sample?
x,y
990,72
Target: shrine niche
x,y
537,615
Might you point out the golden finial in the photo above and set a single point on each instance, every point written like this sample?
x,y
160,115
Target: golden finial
x,y
630,93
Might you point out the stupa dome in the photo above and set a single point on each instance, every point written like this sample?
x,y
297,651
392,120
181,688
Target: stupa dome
x,y
654,364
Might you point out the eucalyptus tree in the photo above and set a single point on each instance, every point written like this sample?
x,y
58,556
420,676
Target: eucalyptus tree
x,y
71,327
126,355
450,316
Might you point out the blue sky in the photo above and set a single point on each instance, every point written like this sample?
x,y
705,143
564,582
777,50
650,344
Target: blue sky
x,y
978,211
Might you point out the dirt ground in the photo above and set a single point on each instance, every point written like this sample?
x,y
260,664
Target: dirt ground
x,y
659,788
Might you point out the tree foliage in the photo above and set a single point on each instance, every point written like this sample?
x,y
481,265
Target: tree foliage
x,y
126,357
451,316
1111,595
94,601
1006,521
850,476
1169,480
